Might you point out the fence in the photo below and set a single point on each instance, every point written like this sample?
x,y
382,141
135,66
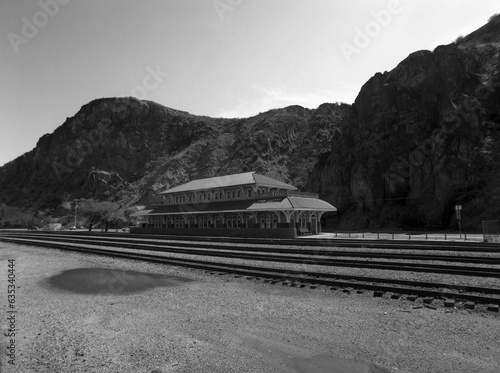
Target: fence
x,y
491,230
438,236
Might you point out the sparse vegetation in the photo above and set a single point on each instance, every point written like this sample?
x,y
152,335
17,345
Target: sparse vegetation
x,y
105,212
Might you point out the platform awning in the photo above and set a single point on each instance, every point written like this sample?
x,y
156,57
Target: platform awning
x,y
272,204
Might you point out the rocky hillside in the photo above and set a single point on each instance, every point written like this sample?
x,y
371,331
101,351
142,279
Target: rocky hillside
x,y
420,139
126,150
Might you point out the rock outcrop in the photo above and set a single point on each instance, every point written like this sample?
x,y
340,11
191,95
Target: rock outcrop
x,y
420,139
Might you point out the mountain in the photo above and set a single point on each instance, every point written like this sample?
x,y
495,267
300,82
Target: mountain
x,y
417,141
420,139
126,150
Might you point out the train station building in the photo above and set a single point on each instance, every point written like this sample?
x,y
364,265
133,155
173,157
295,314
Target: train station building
x,y
239,205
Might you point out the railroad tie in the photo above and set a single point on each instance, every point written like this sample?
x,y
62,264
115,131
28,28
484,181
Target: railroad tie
x,y
470,305
449,303
493,307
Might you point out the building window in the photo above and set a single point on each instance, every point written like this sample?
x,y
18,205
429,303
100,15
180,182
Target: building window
x,y
232,194
238,194
249,193
208,196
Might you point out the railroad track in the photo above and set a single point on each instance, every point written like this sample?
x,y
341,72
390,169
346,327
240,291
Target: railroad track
x,y
299,256
288,277
469,246
273,249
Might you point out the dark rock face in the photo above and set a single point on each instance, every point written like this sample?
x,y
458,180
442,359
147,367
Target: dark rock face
x,y
127,150
420,139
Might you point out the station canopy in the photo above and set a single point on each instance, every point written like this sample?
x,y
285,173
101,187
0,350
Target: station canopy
x,y
285,203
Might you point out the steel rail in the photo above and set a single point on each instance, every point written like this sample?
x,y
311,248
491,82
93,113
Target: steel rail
x,y
276,274
393,266
322,253
365,243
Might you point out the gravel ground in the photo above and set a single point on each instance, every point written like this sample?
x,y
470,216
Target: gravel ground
x,y
221,324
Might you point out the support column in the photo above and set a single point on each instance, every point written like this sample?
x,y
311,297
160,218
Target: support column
x,y
319,214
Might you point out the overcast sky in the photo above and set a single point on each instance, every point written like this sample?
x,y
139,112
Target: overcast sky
x,y
221,58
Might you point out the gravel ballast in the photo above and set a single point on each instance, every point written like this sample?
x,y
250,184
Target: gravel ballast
x,y
222,324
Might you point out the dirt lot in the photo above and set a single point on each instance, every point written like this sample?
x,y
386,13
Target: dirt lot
x,y
81,313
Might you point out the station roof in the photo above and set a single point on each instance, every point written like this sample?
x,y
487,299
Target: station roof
x,y
246,178
142,212
254,205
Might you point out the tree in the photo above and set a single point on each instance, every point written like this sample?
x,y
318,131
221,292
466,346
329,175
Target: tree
x,y
91,210
110,213
106,212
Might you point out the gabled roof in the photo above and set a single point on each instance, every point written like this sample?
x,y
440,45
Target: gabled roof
x,y
141,212
267,181
246,178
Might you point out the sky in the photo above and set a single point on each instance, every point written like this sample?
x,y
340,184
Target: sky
x,y
221,58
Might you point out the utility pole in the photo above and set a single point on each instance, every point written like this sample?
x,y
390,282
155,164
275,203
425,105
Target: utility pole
x,y
76,207
458,210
